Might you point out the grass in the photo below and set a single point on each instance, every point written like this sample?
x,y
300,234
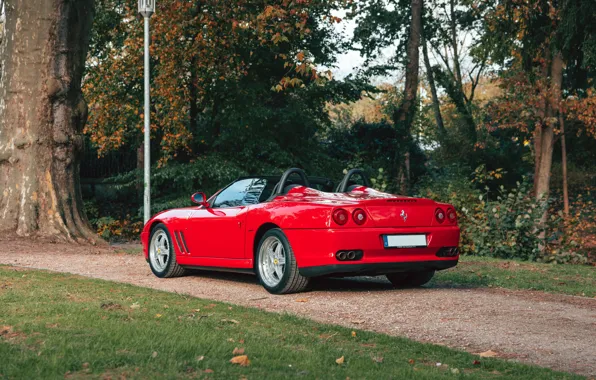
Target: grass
x,y
64,326
472,271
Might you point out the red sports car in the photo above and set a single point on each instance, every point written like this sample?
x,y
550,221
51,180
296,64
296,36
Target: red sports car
x,y
293,228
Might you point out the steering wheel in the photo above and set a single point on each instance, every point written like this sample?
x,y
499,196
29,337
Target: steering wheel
x,y
343,185
280,188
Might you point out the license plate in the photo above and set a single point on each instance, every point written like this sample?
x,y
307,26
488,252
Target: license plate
x,y
404,241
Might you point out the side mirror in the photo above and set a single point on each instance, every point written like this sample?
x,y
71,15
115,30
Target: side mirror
x,y
200,199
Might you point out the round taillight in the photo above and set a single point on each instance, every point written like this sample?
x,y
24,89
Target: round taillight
x,y
440,215
340,216
359,216
451,215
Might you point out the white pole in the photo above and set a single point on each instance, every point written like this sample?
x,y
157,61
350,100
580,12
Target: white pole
x,y
147,132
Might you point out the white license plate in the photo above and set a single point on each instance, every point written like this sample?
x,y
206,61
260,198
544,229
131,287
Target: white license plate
x,y
404,241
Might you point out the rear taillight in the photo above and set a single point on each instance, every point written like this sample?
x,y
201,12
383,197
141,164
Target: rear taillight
x,y
340,216
359,216
451,216
440,215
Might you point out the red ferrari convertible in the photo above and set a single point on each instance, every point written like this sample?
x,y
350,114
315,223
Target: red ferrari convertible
x,y
293,228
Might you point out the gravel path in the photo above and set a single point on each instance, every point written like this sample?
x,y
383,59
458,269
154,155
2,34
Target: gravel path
x,y
553,331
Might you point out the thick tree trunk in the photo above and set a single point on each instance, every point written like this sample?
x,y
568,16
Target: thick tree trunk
x,y
404,115
42,113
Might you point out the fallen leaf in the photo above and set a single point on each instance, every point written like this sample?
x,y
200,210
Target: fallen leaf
x,y
210,306
135,305
455,371
476,362
196,310
157,315
377,359
340,360
230,321
208,370
242,360
302,300
238,351
5,330
359,321
241,341
154,354
200,358
231,340
488,354
411,361
354,333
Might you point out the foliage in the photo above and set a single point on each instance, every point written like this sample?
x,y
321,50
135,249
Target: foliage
x,y
221,72
503,223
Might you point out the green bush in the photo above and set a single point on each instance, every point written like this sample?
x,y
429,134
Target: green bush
x,y
503,223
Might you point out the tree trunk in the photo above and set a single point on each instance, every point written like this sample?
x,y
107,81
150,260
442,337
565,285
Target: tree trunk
x,y
42,114
404,115
547,133
564,165
433,91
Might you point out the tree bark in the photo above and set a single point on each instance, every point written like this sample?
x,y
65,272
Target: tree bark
x,y
404,115
564,165
547,133
433,91
42,114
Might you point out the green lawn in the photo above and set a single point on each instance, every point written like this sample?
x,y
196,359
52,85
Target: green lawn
x,y
579,280
64,326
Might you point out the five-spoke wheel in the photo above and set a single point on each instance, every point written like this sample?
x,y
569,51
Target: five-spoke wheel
x,y
162,259
276,265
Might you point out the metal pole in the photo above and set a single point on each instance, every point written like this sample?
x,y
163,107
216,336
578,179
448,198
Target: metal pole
x,y
147,132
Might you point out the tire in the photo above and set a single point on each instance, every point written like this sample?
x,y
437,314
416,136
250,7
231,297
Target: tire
x,y
274,256
410,279
162,258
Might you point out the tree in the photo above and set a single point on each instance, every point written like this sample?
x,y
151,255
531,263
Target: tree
x,y
404,115
216,65
42,114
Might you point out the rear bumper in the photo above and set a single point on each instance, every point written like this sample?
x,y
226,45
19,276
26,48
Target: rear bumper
x,y
315,250
376,269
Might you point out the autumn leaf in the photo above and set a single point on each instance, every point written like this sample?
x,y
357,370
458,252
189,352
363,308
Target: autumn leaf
x,y
238,351
353,334
154,354
340,361
242,360
230,321
488,354
302,300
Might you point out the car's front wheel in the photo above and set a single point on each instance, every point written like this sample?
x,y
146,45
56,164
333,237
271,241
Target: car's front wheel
x,y
162,258
276,264
410,279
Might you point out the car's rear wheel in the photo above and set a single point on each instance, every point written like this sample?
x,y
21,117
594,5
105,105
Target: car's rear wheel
x,y
162,258
276,264
410,279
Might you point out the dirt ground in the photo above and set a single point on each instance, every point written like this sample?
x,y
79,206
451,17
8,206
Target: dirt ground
x,y
554,331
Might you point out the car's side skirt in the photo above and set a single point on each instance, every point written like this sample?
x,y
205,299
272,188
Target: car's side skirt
x,y
220,269
375,268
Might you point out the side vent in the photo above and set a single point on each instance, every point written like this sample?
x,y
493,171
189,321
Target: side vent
x,y
401,200
181,242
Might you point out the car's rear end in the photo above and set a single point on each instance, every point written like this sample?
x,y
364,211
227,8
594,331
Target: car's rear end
x,y
379,235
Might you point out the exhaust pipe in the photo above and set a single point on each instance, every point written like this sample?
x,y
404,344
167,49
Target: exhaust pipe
x,y
341,256
351,255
